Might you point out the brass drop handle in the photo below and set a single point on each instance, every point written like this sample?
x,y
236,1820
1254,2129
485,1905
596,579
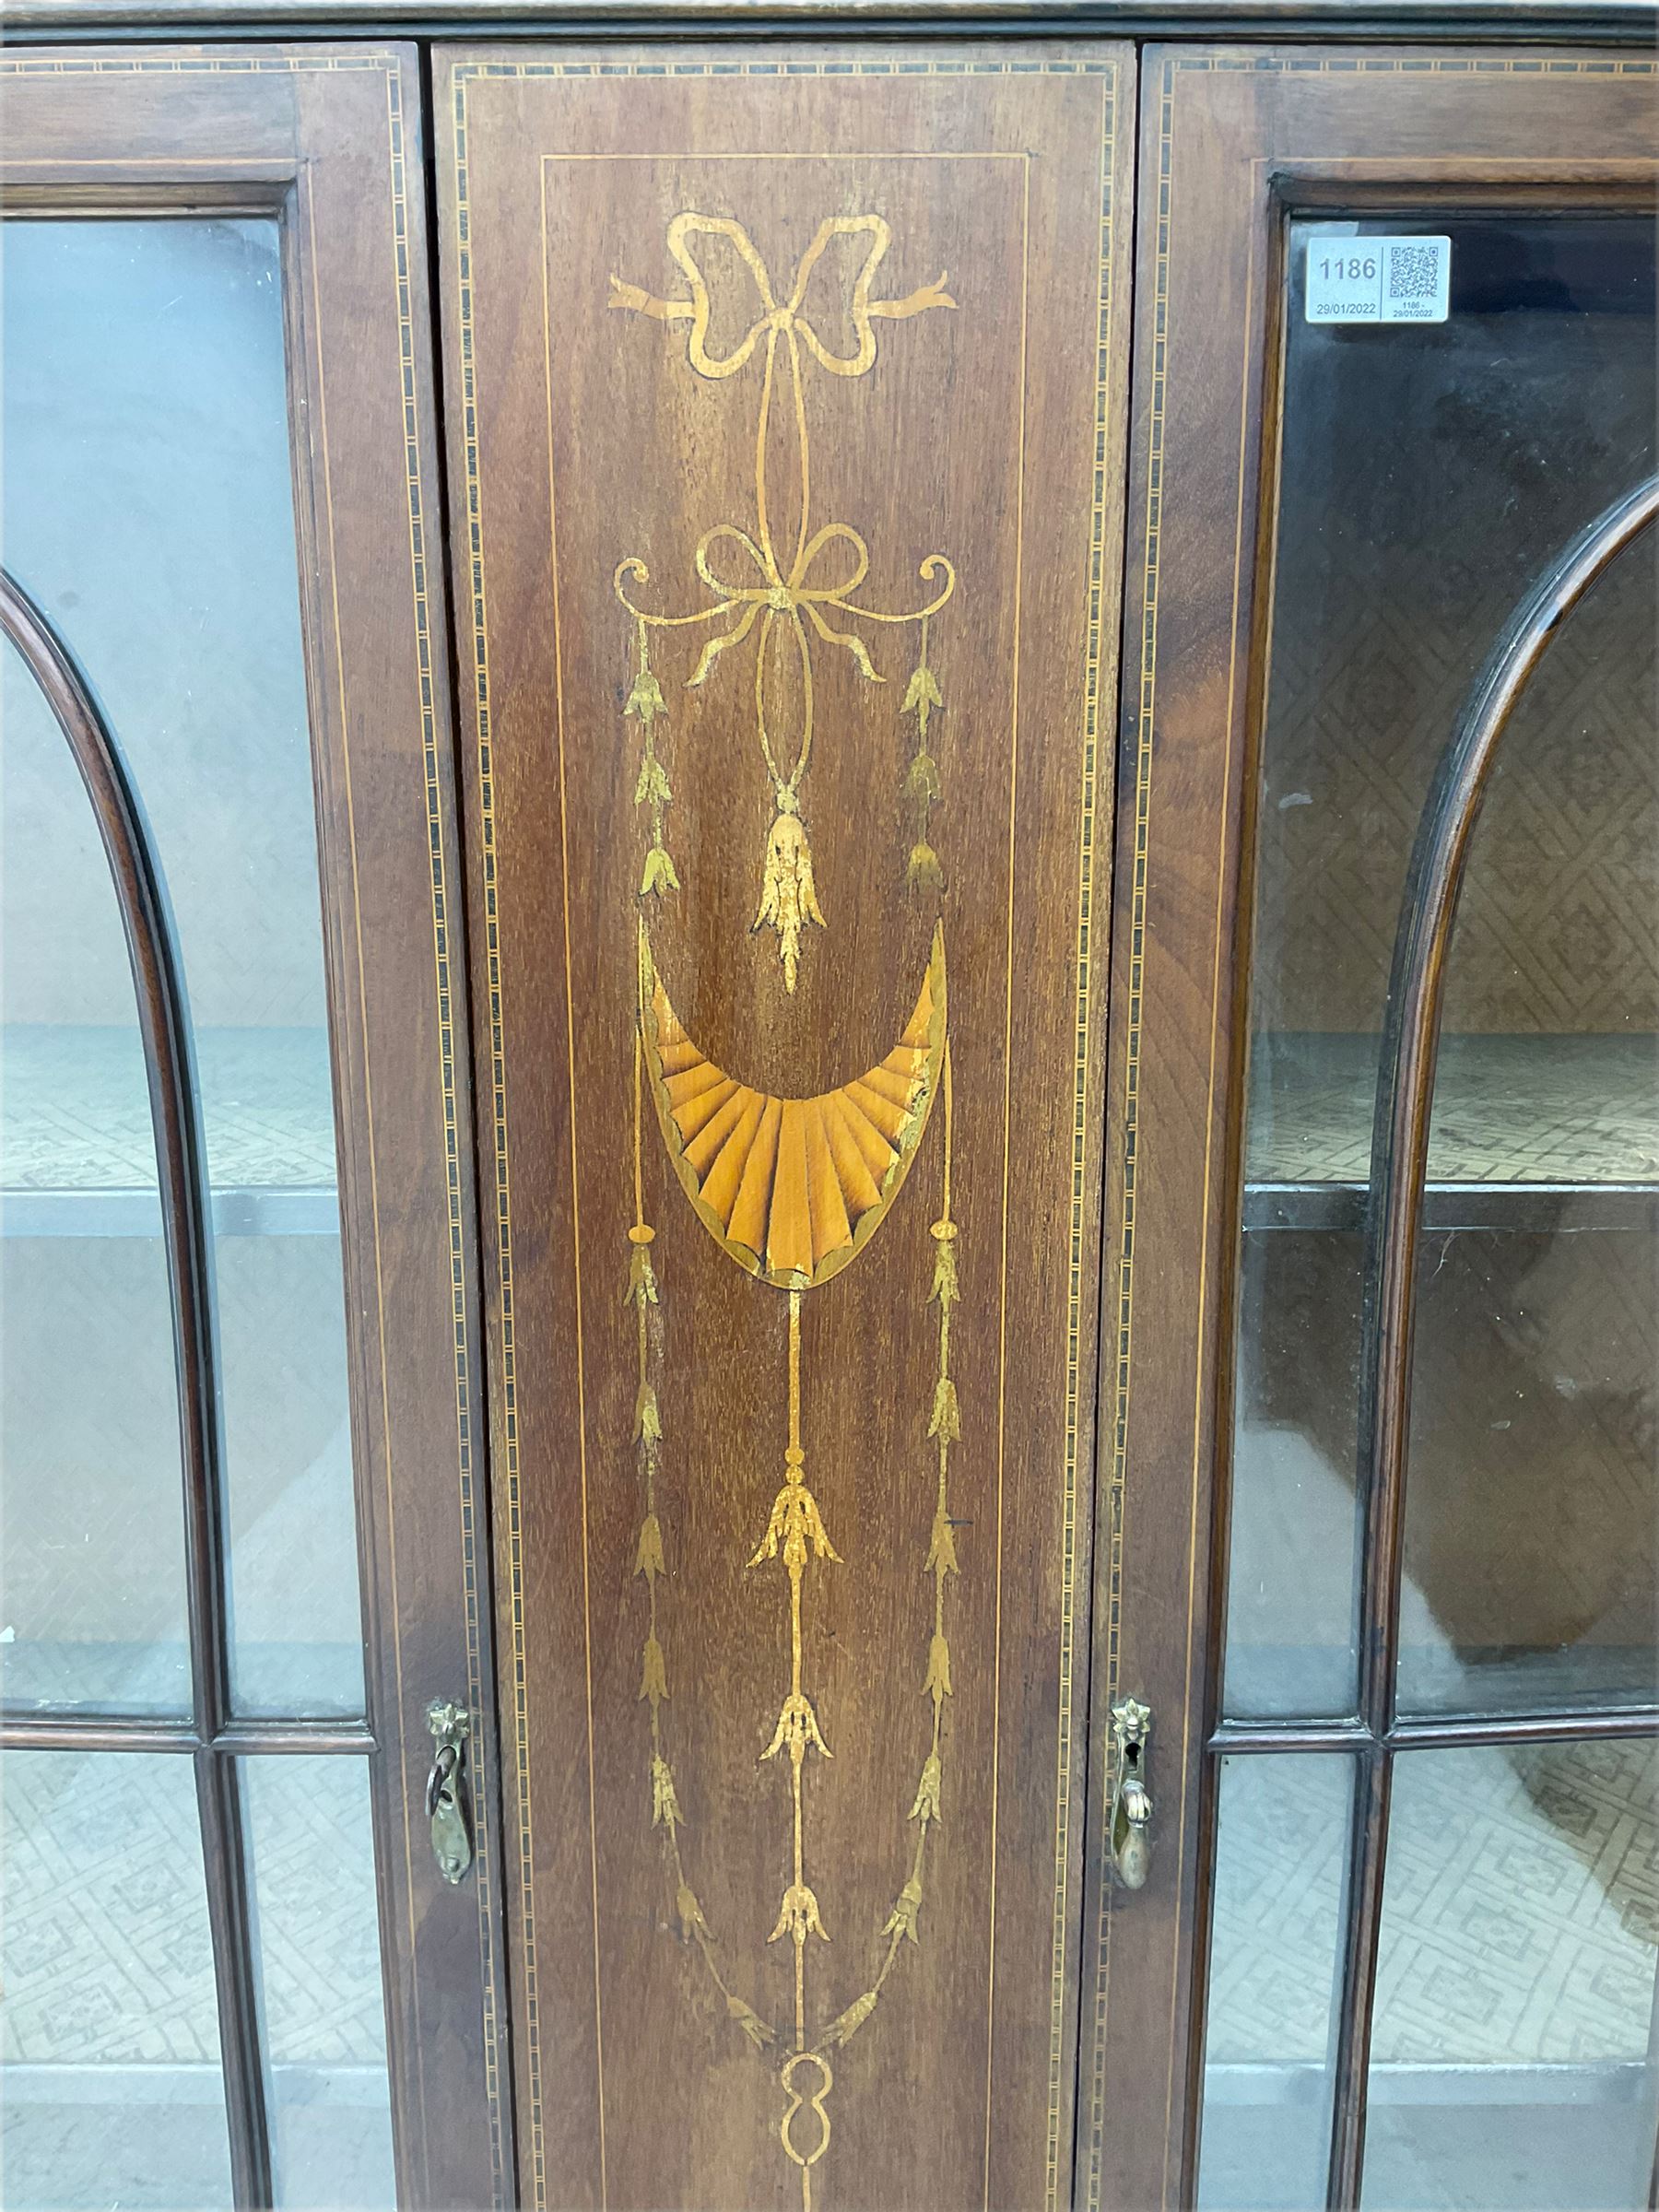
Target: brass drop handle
x,y
1131,1804
446,1789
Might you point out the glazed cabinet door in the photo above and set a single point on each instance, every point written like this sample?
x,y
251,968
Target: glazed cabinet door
x,y
786,393
1385,1111
249,1961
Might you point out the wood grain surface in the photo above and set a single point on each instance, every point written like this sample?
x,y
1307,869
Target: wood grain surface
x,y
586,434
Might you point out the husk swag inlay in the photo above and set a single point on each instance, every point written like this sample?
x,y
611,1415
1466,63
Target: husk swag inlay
x,y
792,1189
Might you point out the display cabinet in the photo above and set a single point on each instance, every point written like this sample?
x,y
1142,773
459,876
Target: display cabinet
x,y
831,1106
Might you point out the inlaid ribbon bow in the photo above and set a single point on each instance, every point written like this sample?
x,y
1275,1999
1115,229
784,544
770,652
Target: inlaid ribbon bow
x,y
794,594
785,317
782,590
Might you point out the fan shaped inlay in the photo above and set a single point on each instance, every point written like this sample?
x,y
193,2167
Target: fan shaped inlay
x,y
791,1188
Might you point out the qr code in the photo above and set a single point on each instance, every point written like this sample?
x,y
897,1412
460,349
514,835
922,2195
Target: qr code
x,y
1413,272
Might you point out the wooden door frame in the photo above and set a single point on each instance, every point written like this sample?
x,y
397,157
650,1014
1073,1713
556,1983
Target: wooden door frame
x,y
1233,139
327,141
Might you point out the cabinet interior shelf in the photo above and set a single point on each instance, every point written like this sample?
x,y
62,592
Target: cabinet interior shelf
x,y
1540,1132
79,1157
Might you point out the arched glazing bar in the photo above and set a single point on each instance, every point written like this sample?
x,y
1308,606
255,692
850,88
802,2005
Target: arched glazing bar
x,y
186,1229
1398,1175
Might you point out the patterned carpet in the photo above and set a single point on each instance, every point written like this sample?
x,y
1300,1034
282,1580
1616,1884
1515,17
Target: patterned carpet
x,y
110,2093
1520,1922
107,1956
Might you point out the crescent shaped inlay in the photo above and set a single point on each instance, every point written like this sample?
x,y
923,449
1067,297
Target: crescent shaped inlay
x,y
791,1188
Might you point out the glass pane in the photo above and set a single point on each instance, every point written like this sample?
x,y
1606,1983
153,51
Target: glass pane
x,y
109,2088
182,605
1512,2061
1510,425
294,1558
1292,1575
1533,1503
92,1569
321,2006
1281,1856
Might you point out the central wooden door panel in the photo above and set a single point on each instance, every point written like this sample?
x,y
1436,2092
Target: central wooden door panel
x,y
787,430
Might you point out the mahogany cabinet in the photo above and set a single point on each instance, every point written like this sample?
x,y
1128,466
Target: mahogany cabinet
x,y
831,1109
